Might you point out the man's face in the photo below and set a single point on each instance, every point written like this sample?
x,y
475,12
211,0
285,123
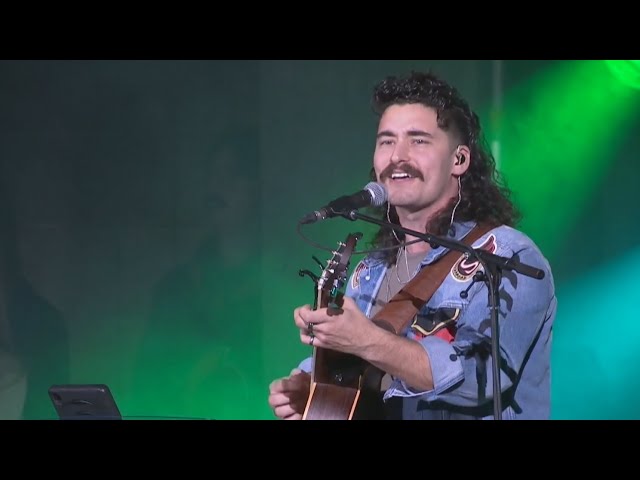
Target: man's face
x,y
414,159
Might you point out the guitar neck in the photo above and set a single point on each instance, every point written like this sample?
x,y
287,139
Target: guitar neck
x,y
343,386
332,367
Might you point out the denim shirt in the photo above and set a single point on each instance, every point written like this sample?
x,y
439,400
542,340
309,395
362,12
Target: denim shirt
x,y
461,363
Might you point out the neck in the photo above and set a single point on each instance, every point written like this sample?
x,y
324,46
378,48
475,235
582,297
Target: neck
x,y
419,219
414,221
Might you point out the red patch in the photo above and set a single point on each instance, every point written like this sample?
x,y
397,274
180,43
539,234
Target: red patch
x,y
447,334
446,330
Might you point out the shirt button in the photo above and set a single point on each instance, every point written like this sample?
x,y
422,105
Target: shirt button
x,y
453,357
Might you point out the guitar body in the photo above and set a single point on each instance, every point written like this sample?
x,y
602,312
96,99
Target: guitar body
x,y
343,386
332,401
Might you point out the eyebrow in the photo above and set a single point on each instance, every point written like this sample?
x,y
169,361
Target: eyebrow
x,y
410,133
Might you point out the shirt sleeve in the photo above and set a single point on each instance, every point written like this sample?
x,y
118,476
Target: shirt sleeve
x,y
306,364
462,370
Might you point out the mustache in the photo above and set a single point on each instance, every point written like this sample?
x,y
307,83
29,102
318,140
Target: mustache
x,y
403,167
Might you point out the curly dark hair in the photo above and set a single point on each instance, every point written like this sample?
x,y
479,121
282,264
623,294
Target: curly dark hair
x,y
485,197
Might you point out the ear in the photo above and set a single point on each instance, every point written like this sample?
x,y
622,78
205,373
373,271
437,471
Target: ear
x,y
461,160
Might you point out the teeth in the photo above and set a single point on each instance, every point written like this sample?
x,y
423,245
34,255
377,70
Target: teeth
x,y
400,175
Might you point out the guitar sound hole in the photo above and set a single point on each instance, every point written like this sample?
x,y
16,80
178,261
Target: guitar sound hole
x,y
346,376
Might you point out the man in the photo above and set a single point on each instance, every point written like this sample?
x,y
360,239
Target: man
x,y
441,179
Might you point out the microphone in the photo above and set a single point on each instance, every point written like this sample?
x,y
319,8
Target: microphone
x,y
373,194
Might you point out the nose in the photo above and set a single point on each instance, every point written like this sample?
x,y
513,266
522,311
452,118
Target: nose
x,y
399,153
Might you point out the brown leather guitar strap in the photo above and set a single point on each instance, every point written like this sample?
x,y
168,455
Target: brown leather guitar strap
x,y
404,306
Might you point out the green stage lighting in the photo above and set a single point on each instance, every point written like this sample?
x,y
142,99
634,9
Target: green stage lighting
x,y
626,71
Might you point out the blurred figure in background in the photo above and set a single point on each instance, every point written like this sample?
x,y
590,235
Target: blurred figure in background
x,y
203,340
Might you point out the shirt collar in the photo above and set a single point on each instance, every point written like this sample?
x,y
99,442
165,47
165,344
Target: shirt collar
x,y
457,231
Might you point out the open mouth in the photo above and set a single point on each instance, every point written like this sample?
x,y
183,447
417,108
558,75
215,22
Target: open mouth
x,y
401,176
400,173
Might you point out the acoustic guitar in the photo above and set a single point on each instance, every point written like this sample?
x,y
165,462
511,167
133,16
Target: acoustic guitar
x,y
343,386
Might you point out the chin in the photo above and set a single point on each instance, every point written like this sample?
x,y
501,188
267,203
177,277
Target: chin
x,y
399,197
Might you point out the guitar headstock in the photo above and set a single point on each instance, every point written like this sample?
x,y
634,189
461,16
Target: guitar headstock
x,y
335,274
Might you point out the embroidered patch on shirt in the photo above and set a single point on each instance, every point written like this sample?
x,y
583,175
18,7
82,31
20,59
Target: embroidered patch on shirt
x,y
464,268
440,323
355,278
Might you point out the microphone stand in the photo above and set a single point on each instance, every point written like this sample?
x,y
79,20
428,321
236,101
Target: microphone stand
x,y
493,266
